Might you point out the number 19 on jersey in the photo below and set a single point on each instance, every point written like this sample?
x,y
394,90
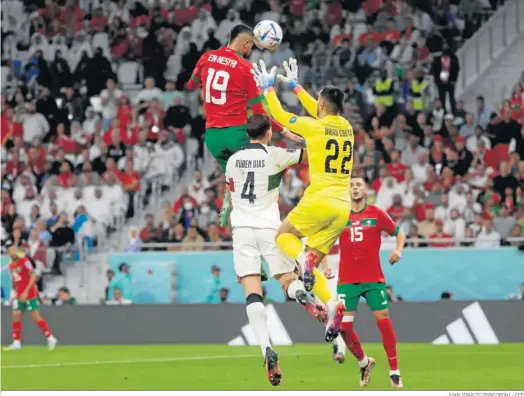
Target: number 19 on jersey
x,y
216,81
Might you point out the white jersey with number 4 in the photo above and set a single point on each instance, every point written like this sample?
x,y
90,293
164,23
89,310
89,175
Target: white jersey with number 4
x,y
254,175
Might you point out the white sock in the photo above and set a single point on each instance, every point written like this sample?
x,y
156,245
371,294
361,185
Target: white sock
x,y
364,362
294,287
331,305
17,342
341,345
256,314
301,259
394,372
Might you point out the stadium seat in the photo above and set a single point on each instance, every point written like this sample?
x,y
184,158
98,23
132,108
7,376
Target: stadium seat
x,y
128,75
191,153
102,40
358,30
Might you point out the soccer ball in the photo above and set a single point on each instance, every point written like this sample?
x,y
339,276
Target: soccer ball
x,y
268,35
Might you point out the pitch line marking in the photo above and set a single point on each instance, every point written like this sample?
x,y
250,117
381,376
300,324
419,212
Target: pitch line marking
x,y
134,361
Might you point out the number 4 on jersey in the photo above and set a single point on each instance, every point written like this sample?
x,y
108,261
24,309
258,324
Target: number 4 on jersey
x,y
249,185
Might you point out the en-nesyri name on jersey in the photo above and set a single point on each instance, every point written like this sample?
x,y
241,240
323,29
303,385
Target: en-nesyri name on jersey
x,y
254,175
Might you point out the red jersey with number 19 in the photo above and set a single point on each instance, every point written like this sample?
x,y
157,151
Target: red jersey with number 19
x,y
360,245
21,271
228,87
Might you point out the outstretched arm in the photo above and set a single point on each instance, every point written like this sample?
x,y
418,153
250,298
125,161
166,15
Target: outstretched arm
x,y
258,108
255,98
299,125
291,79
308,101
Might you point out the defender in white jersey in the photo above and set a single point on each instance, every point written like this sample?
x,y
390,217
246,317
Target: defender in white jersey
x,y
253,174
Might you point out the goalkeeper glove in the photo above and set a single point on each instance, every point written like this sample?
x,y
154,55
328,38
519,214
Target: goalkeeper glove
x,y
264,78
291,77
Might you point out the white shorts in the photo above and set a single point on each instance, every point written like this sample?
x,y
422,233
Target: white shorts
x,y
251,245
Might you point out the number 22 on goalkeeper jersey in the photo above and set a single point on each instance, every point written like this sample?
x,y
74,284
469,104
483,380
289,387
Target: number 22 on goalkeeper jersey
x,y
329,143
228,87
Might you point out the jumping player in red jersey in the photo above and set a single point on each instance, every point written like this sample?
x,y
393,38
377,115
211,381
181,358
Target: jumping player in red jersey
x,y
228,88
360,275
24,279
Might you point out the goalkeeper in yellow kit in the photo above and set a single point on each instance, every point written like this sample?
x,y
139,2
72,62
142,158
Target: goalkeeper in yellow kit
x,y
324,210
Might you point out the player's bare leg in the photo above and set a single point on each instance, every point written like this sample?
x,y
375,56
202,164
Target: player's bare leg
x,y
352,341
44,328
17,332
294,288
256,314
389,341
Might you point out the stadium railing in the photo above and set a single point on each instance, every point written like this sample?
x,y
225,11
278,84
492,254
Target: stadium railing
x,y
489,42
513,241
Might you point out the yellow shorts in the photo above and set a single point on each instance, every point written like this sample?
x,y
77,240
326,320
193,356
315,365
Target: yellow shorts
x,y
320,219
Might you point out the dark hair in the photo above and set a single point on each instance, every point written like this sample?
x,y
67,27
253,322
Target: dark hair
x,y
258,125
122,266
335,98
238,30
445,295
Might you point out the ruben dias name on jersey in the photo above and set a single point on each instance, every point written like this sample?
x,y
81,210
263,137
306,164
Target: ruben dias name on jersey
x,y
254,175
250,163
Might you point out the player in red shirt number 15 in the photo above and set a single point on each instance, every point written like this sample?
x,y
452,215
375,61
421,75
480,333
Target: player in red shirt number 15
x,y
24,279
360,275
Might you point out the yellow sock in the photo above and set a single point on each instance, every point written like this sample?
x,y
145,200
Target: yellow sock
x,y
321,288
290,244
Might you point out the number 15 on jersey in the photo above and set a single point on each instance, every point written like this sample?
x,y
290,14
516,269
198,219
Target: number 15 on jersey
x,y
356,234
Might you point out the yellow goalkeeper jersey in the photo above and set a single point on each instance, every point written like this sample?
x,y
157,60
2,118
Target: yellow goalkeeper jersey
x,y
329,142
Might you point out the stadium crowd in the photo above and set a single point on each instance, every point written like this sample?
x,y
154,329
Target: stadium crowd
x,y
95,117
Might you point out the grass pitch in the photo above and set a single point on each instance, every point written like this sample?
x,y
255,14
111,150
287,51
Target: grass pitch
x,y
219,367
